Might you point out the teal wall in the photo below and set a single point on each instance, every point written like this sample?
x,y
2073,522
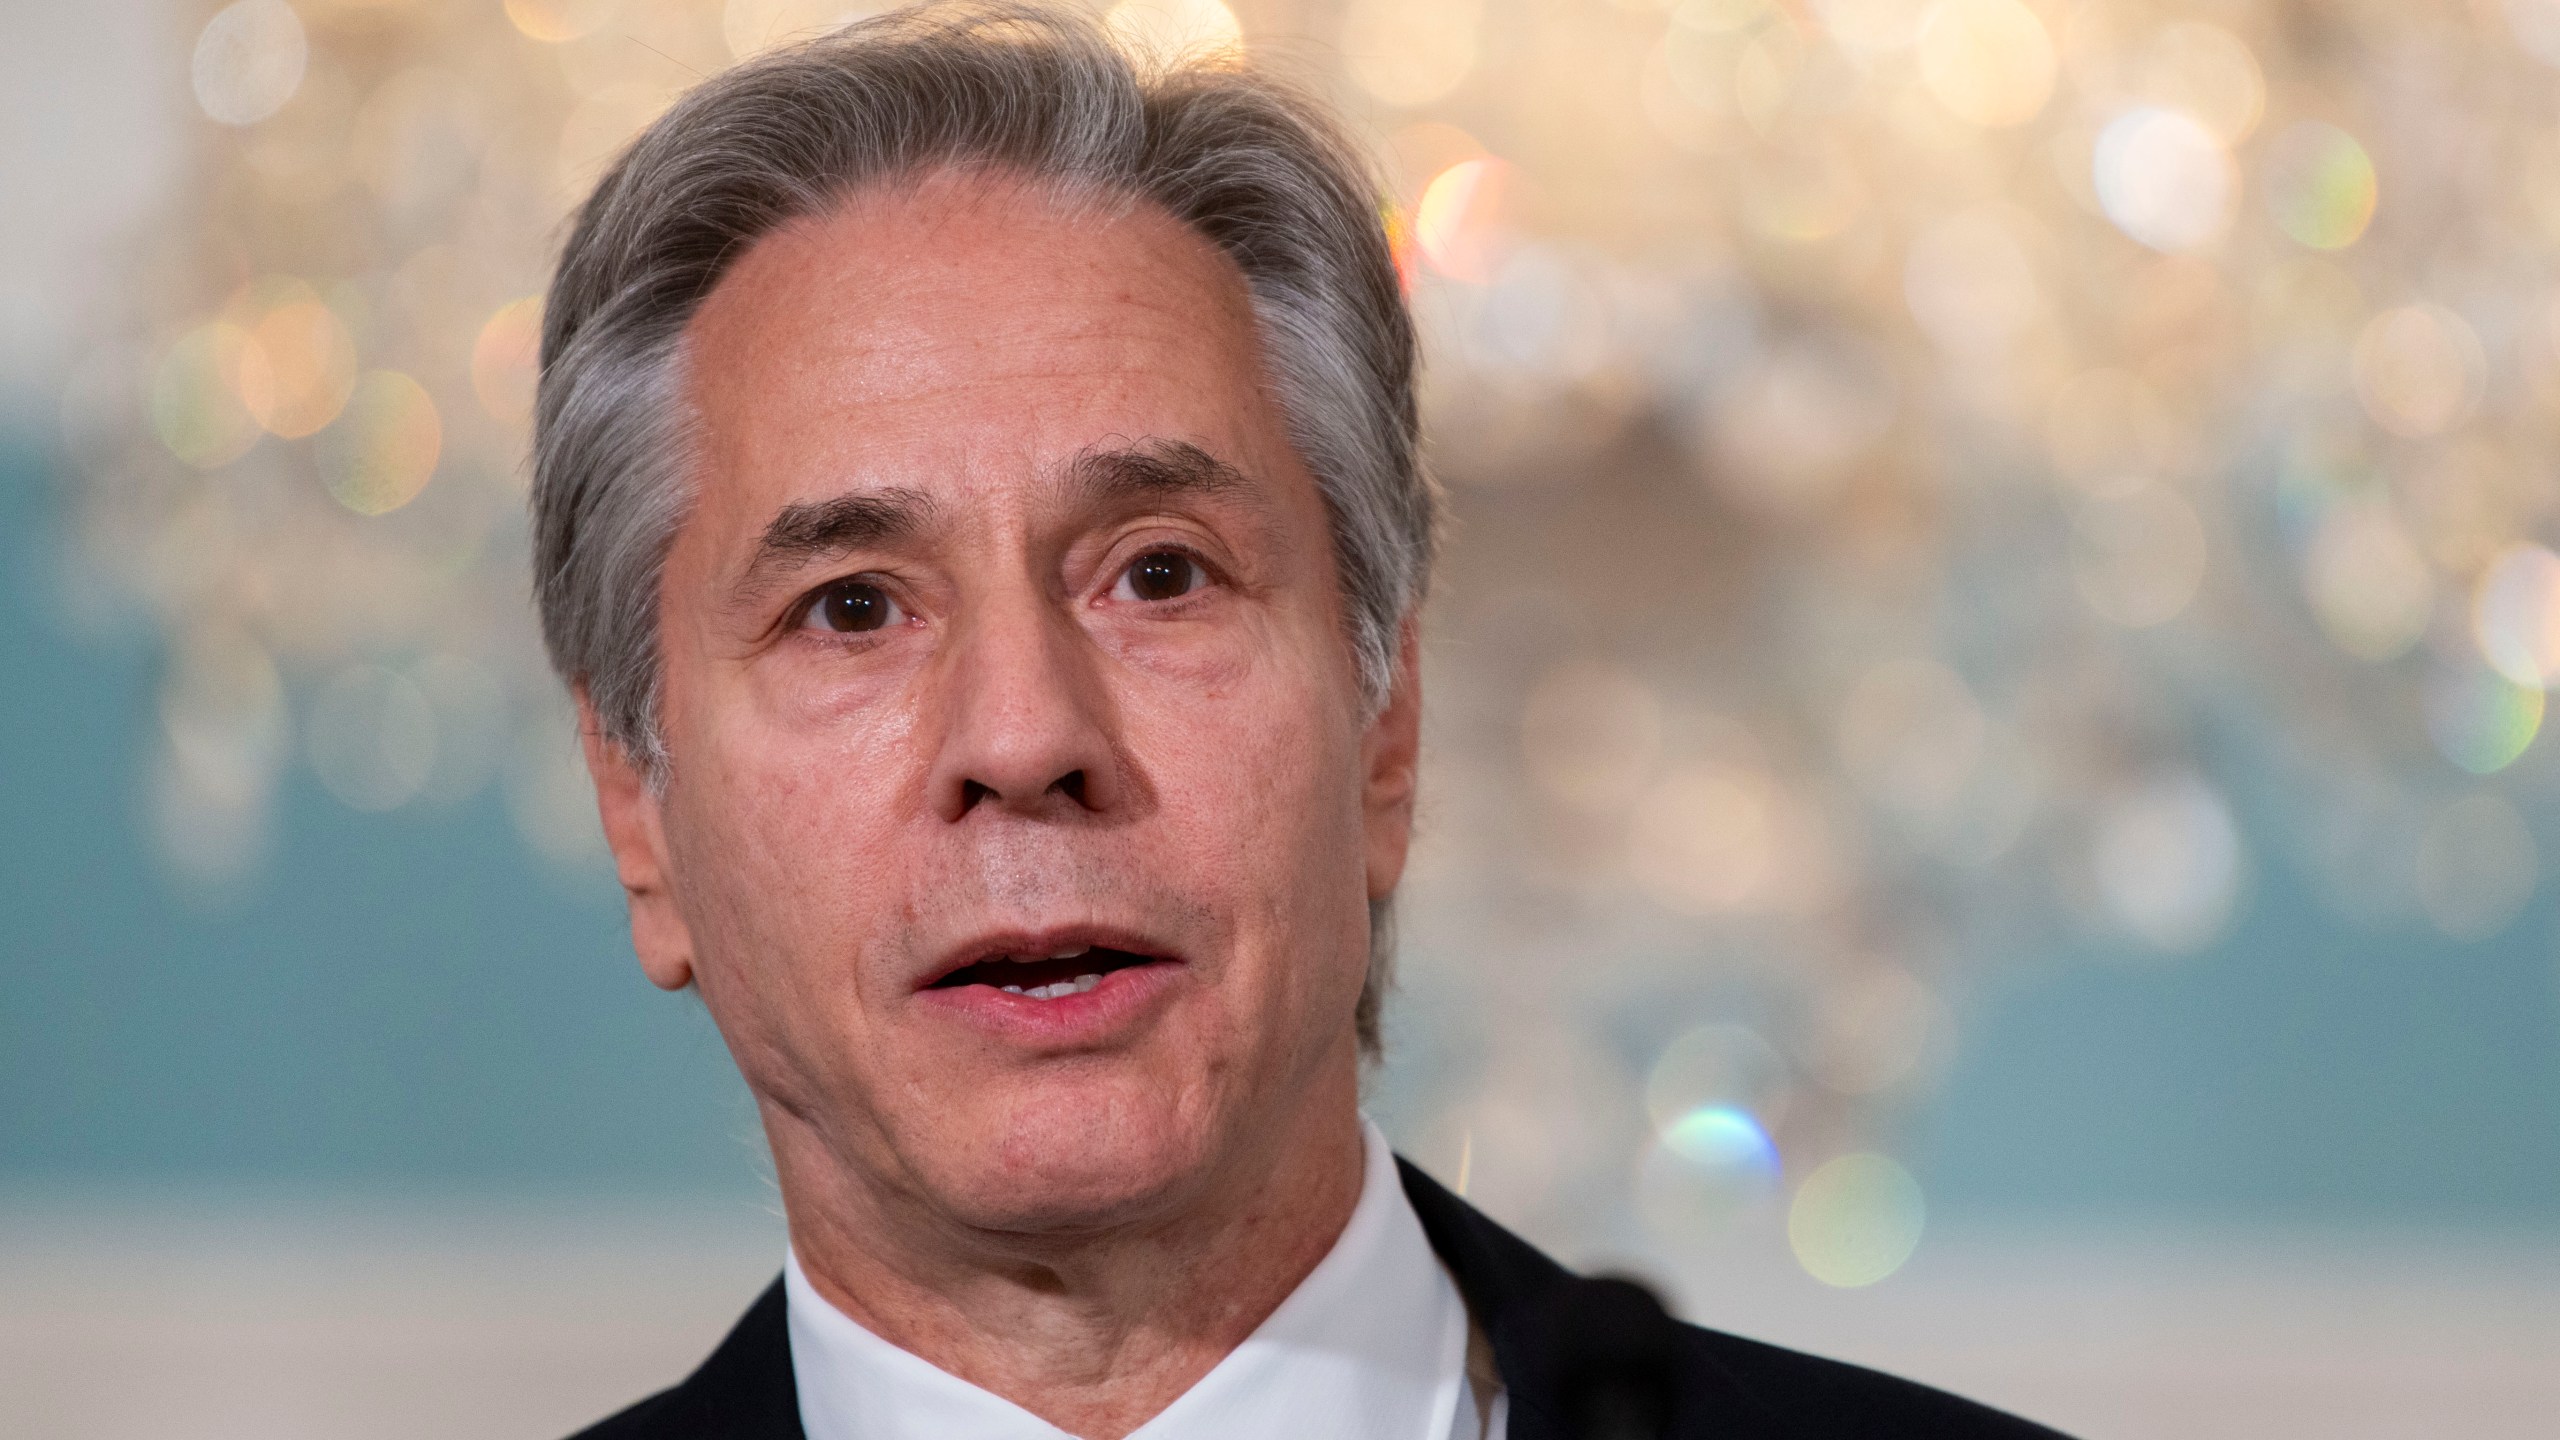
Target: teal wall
x,y
2299,1072
410,999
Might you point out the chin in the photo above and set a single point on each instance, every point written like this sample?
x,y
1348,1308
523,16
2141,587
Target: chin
x,y
1075,1154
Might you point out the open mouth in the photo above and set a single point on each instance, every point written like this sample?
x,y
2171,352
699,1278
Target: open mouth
x,y
1051,977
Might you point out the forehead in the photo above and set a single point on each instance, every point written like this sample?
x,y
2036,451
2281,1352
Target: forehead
x,y
966,330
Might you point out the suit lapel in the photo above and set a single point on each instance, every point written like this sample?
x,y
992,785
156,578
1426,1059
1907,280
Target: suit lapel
x,y
1508,1286
745,1391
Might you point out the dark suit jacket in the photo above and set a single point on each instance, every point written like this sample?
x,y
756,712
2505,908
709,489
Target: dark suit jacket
x,y
1558,1339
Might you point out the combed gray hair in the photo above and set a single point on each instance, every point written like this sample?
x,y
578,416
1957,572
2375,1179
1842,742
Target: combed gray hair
x,y
1253,165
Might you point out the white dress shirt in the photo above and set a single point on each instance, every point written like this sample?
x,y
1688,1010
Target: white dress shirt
x,y
1372,1345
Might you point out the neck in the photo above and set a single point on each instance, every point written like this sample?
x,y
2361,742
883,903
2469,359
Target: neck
x,y
1096,1331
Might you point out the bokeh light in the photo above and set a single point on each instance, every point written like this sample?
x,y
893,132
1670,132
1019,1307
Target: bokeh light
x,y
2515,615
1717,838
1686,86
1410,52
372,737
1871,27
1538,316
2476,866
383,450
2202,70
2164,179
249,61
308,354
1990,62
1724,1139
556,21
225,732
1877,1029
2480,719
468,711
2167,857
208,393
1712,1168
2321,185
2420,370
1719,1069
1457,223
222,712
1711,1095
2371,589
1791,436
1856,1220
504,361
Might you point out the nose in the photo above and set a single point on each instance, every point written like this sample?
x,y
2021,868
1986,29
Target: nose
x,y
1026,719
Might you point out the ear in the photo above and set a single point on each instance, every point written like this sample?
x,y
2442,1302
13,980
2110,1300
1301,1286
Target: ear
x,y
633,826
1390,754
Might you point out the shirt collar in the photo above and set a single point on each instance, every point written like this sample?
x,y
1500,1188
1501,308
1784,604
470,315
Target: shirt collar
x,y
1370,1346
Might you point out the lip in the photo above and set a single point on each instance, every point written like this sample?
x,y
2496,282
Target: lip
x,y
1050,941
1092,1017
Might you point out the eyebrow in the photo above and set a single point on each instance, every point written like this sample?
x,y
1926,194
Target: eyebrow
x,y
1098,477
1152,470
834,526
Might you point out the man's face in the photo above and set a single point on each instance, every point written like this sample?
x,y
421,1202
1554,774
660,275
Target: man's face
x,y
1003,649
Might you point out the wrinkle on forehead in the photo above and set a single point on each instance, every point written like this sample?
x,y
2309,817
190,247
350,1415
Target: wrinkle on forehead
x,y
940,227
884,306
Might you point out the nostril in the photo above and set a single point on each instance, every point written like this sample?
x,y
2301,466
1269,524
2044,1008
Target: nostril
x,y
1074,791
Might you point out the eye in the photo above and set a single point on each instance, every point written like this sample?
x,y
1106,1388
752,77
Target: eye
x,y
1159,575
850,607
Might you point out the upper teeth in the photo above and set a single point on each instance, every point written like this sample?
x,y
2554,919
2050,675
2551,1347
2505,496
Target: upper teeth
x,y
1077,986
1071,952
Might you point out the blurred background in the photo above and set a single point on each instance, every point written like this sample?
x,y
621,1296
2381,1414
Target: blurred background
x,y
1983,811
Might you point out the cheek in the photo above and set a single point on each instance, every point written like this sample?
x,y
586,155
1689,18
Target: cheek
x,y
768,888
1260,794
780,869
810,760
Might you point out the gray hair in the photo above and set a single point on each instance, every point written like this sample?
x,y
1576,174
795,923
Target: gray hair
x,y
1255,167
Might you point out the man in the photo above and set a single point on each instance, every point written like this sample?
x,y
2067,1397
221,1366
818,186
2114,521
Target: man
x,y
977,507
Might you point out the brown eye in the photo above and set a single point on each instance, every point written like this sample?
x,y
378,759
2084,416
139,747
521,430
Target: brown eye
x,y
850,607
1161,575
